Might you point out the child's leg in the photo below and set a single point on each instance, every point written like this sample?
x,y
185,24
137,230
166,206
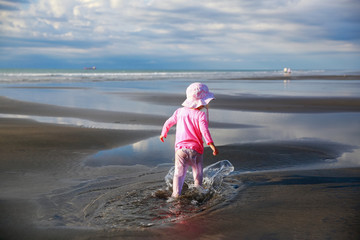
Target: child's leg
x,y
197,167
181,166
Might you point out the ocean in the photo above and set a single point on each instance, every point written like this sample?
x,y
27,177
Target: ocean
x,y
75,75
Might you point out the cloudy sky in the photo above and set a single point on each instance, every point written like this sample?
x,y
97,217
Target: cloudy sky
x,y
180,34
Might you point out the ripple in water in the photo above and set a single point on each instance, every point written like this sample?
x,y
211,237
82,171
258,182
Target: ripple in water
x,y
145,204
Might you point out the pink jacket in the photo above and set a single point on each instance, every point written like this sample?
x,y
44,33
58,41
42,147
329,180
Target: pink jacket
x,y
191,125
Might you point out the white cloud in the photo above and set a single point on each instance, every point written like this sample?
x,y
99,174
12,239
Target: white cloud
x,y
212,29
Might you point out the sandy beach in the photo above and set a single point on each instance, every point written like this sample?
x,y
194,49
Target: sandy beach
x,y
50,190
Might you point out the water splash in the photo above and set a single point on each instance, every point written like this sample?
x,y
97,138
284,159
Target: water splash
x,y
194,199
147,206
144,202
213,176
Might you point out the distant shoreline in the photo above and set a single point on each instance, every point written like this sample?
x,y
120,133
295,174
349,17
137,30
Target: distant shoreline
x,y
303,77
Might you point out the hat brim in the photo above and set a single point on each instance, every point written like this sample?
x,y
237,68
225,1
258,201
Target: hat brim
x,y
195,103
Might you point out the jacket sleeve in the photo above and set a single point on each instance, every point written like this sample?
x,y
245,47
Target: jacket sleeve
x,y
204,128
168,124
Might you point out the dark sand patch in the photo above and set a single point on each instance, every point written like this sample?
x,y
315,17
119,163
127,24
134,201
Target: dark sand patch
x,y
16,223
281,104
288,104
10,106
278,154
26,144
318,204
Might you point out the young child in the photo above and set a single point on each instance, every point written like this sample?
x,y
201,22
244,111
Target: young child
x,y
191,126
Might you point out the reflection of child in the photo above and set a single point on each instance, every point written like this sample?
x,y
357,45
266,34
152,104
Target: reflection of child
x,y
191,126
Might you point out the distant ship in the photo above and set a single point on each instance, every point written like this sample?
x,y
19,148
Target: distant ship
x,y
287,71
90,68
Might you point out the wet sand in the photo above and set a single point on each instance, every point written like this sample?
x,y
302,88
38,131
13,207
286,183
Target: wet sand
x,y
258,103
26,144
314,204
12,106
37,157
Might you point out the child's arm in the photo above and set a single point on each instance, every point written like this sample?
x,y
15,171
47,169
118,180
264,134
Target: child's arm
x,y
214,149
167,125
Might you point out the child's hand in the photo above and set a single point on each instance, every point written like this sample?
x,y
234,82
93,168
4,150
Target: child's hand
x,y
214,149
162,138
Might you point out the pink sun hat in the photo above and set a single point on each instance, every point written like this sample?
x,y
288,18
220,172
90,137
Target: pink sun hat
x,y
197,94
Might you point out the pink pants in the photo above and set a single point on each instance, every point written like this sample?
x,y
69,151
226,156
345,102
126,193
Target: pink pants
x,y
183,159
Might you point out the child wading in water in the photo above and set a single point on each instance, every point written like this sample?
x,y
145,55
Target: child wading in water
x,y
191,126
